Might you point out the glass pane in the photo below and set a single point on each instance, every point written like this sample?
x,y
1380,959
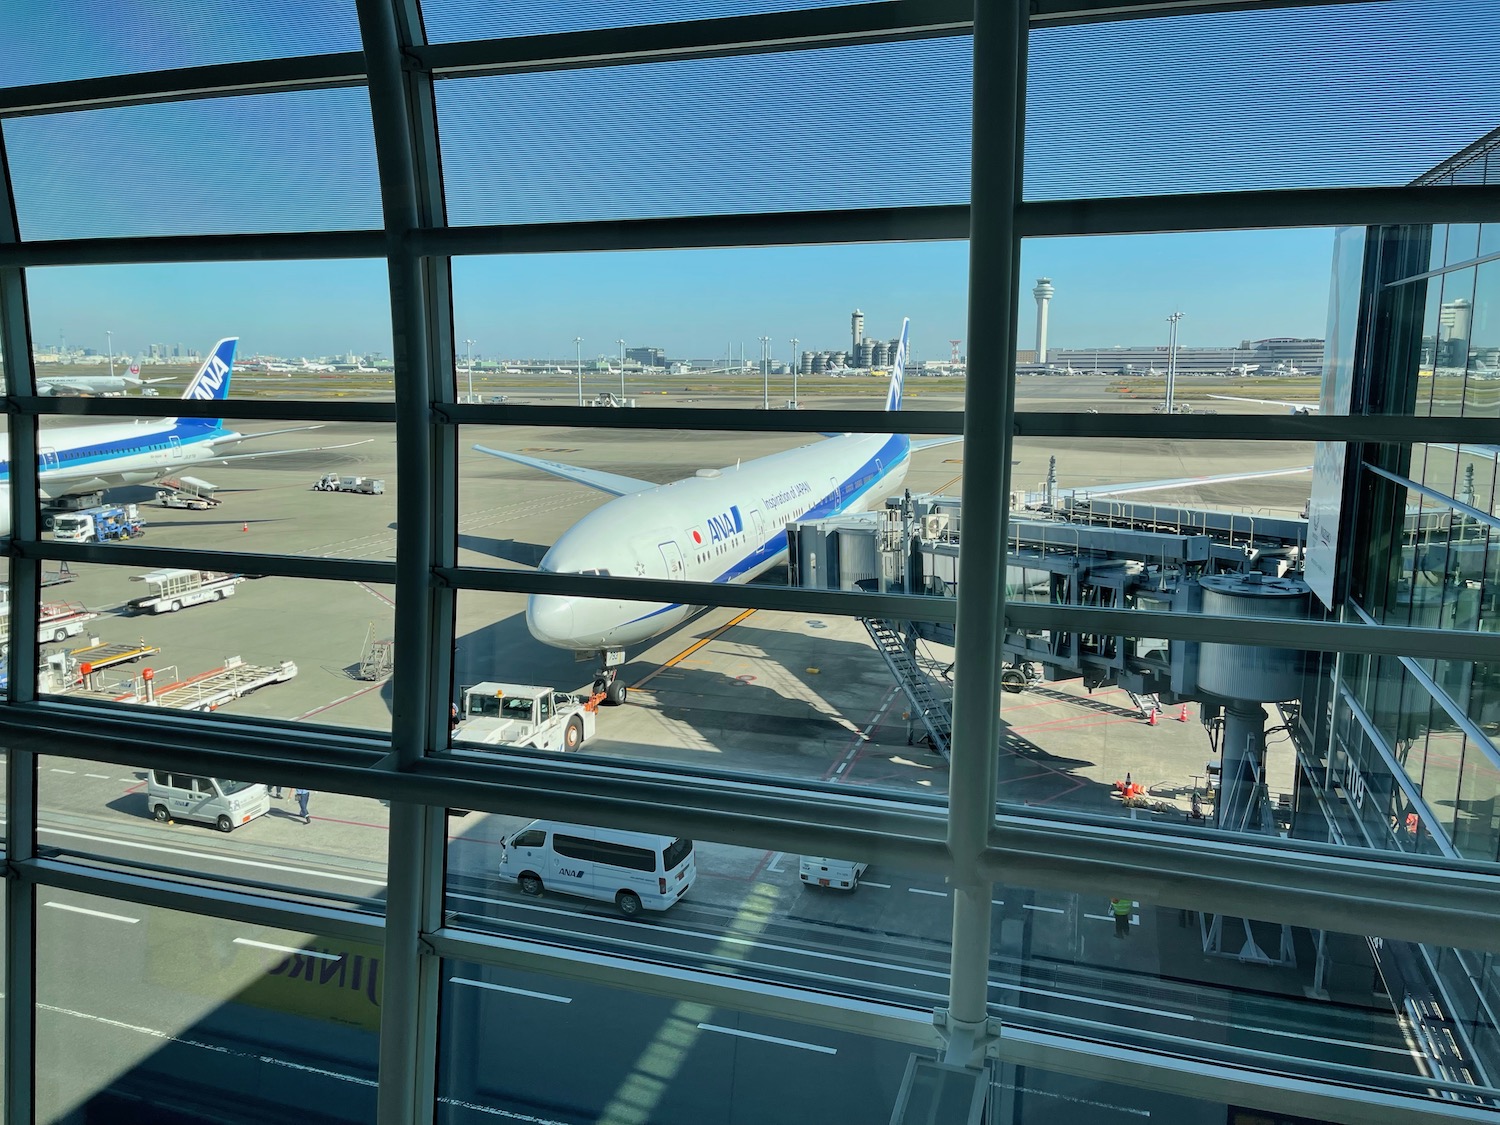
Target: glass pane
x,y
1143,107
96,40
247,833
185,1018
296,161
320,489
308,330
448,20
1098,322
236,644
599,328
653,140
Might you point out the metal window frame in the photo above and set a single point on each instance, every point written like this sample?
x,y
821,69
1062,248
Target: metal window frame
x,y
1451,903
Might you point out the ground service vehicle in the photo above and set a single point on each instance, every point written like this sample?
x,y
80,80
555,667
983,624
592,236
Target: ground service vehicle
x,y
370,486
188,492
840,874
173,795
106,523
634,870
523,715
609,398
171,590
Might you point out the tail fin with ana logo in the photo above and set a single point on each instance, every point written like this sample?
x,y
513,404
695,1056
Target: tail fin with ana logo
x,y
212,380
898,369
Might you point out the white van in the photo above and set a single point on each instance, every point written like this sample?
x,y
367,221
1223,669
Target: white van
x,y
634,870
820,871
174,795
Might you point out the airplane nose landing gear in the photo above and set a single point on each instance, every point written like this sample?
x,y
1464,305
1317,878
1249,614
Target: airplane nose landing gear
x,y
607,682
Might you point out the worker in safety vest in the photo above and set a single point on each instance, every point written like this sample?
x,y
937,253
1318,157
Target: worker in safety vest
x,y
1120,908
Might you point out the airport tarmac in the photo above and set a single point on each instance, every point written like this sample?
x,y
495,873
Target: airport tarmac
x,y
763,693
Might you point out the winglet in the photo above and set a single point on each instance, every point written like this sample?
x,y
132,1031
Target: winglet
x,y
898,368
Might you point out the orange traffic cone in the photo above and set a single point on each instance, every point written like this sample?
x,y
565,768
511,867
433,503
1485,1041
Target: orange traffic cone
x,y
245,525
1151,718
1182,715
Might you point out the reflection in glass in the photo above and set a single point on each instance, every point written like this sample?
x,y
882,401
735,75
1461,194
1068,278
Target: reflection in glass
x,y
185,1018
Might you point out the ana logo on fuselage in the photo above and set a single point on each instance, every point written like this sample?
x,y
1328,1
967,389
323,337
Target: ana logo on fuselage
x,y
725,526
210,379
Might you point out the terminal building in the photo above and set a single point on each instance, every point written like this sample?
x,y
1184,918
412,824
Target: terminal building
x,y
1168,788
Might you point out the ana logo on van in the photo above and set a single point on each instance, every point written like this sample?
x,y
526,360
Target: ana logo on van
x,y
724,526
570,872
210,379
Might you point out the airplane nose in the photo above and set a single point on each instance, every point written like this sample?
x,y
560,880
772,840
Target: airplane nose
x,y
550,619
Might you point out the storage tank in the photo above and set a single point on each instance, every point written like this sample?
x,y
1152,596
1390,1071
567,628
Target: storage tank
x,y
1250,672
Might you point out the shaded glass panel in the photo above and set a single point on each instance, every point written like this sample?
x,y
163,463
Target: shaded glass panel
x,y
91,40
807,130
300,160
447,20
185,1018
1235,100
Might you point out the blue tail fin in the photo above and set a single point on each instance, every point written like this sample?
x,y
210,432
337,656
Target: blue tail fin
x,y
212,380
898,369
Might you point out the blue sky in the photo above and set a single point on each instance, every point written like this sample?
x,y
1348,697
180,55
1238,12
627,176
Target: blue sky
x,y
1354,94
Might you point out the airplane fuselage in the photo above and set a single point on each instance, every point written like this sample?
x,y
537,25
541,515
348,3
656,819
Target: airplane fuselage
x,y
722,525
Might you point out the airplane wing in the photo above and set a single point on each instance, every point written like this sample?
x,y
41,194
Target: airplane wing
x,y
1086,491
1295,407
612,483
933,443
287,452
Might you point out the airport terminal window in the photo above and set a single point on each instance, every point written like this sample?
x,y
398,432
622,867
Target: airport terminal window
x,y
777,716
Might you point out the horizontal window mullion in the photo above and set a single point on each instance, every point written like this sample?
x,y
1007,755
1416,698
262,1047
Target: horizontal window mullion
x,y
936,222
192,558
794,599
1279,632
281,246
203,901
344,68
1256,210
273,410
1387,429
771,32
710,418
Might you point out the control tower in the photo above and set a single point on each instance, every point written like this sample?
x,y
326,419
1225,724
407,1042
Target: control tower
x,y
857,327
1043,294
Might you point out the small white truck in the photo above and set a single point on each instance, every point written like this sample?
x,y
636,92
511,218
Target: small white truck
x,y
171,590
370,486
57,621
524,715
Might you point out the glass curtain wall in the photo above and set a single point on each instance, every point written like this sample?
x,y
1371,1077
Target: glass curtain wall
x,y
429,697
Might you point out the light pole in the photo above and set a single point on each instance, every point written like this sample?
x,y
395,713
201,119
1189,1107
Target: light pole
x,y
765,372
1172,358
795,367
622,371
471,370
578,347
111,337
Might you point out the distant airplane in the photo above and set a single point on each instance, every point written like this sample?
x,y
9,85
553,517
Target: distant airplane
x,y
1244,368
78,460
94,384
1294,407
722,525
308,365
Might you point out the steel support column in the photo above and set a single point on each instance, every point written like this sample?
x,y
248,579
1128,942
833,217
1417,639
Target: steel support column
x,y
999,77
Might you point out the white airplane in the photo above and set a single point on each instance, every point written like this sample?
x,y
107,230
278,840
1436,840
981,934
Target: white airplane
x,y
1244,368
1293,407
93,384
77,460
722,525
308,365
